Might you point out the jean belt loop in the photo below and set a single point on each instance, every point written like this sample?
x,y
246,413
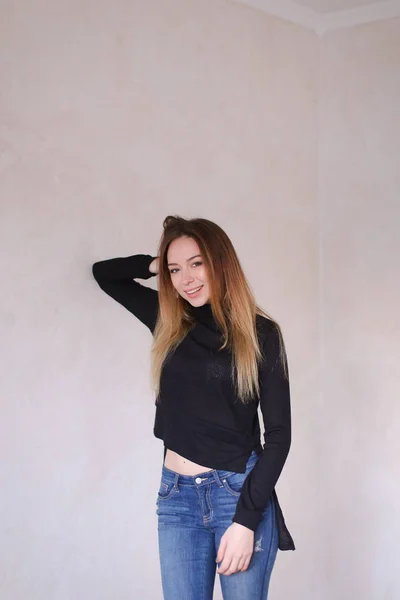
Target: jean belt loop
x,y
176,482
217,478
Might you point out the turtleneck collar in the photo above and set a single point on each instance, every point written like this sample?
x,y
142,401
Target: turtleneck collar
x,y
204,310
204,315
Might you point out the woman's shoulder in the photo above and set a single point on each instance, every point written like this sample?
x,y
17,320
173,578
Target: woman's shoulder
x,y
267,325
269,334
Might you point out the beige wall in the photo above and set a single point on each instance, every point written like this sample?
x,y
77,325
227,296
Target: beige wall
x,y
112,117
360,220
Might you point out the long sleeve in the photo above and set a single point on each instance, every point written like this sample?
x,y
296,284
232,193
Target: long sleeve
x,y
116,277
260,483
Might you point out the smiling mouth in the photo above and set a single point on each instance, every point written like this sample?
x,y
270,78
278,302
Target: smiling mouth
x,y
194,291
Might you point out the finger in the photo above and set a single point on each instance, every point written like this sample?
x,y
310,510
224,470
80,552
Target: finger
x,y
221,550
241,563
246,563
233,567
224,566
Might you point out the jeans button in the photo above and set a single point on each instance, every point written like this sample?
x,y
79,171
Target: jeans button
x,y
198,480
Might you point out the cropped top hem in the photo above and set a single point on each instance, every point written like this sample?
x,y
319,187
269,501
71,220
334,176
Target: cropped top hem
x,y
203,442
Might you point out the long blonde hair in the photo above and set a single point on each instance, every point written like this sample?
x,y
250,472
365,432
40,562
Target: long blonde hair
x,y
232,302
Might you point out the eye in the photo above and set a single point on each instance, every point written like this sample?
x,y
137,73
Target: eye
x,y
172,271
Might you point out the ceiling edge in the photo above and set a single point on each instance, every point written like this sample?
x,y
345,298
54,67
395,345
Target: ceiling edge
x,y
321,23
286,9
357,16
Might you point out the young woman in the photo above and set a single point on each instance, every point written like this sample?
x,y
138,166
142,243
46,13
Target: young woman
x,y
216,356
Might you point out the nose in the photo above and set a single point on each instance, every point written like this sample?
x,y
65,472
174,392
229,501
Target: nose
x,y
187,277
187,280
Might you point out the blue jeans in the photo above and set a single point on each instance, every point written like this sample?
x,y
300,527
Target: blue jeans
x,y
193,514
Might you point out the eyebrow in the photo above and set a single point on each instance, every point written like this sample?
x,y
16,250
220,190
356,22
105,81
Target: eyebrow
x,y
191,258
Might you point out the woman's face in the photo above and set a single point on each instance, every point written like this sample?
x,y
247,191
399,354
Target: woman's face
x,y
187,270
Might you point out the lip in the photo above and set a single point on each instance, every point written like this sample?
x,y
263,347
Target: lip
x,y
200,286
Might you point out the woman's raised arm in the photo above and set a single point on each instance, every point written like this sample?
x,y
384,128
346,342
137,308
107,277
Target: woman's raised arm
x,y
116,277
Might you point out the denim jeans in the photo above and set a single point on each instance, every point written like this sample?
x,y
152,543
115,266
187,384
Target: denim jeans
x,y
193,514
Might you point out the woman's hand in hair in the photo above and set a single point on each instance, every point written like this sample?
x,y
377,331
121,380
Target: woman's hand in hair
x,y
153,268
235,549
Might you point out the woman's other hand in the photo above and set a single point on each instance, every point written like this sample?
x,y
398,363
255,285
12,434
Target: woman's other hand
x,y
235,549
153,268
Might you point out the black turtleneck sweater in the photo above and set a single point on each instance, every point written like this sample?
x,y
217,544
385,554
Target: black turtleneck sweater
x,y
198,414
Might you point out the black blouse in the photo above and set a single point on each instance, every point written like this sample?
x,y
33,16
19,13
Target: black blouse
x,y
198,414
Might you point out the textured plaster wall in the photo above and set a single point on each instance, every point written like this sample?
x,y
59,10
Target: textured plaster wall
x,y
360,219
114,115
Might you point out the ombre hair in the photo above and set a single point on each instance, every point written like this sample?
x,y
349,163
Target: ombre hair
x,y
232,302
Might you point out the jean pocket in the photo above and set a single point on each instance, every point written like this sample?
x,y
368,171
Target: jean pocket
x,y
166,490
234,483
